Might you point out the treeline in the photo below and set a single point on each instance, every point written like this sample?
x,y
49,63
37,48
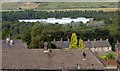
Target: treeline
x,y
30,14
34,34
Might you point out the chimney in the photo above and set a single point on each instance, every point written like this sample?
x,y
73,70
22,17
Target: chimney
x,y
61,40
94,40
11,42
45,45
7,40
88,40
100,40
107,40
117,42
68,40
54,40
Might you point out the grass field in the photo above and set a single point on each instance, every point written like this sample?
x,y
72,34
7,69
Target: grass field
x,y
84,9
9,5
58,5
72,5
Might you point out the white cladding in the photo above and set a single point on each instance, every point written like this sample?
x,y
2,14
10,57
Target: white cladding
x,y
59,21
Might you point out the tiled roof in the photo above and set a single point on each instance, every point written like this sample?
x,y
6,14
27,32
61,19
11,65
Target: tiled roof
x,y
58,59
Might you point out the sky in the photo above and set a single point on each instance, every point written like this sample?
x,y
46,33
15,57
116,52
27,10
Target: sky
x,y
59,0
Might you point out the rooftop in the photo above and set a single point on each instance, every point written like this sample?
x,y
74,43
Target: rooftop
x,y
88,44
97,43
17,44
57,59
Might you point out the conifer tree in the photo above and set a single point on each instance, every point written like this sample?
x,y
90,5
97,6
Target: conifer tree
x,y
81,44
73,42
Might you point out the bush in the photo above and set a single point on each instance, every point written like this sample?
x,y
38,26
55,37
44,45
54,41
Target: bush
x,y
109,55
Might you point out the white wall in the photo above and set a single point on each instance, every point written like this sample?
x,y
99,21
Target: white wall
x,y
60,21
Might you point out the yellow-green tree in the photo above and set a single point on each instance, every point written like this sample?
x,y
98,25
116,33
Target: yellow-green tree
x,y
81,44
74,41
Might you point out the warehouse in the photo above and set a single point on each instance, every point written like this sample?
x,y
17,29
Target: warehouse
x,y
59,21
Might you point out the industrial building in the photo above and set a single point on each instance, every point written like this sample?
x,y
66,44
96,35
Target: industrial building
x,y
59,21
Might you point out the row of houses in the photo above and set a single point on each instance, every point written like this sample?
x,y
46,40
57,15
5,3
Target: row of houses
x,y
59,21
95,45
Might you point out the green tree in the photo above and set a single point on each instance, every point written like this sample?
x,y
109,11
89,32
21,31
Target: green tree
x,y
81,44
74,41
37,36
109,55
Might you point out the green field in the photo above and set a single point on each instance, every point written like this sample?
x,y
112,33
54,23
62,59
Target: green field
x,y
72,5
9,6
60,5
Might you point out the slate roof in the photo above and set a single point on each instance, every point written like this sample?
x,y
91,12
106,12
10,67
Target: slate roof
x,y
61,44
37,59
88,44
98,43
17,44
103,43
